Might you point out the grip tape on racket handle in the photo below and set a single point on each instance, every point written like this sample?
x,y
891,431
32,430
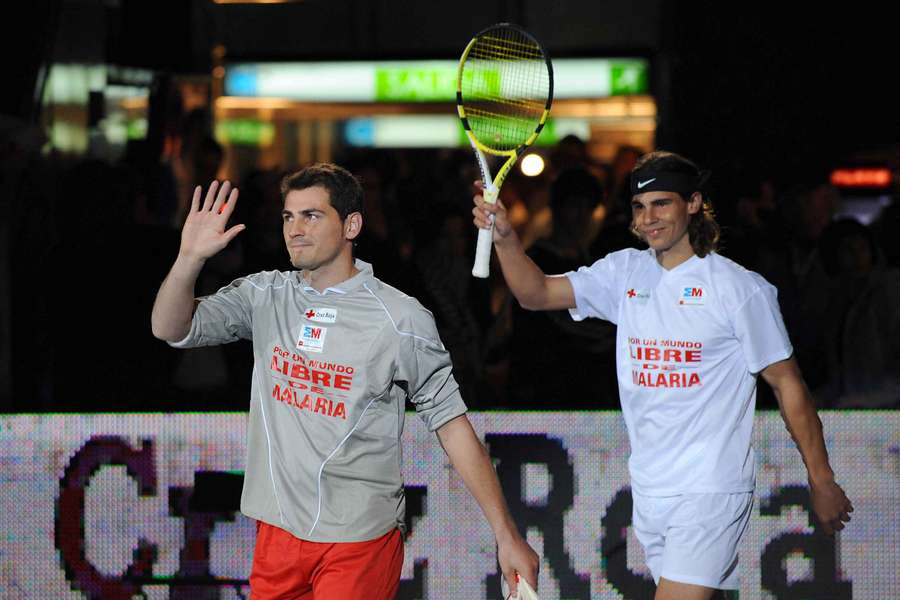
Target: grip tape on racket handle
x,y
482,267
524,592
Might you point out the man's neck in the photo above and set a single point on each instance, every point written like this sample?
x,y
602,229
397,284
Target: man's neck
x,y
335,274
677,254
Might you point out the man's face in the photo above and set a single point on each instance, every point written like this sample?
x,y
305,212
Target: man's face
x,y
313,229
661,218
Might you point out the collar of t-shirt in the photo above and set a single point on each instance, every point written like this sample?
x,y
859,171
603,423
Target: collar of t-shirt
x,y
348,285
684,265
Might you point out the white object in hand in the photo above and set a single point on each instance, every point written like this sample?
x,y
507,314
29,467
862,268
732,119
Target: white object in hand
x,y
525,591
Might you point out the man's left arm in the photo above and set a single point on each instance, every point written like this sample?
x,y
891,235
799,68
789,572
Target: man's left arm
x,y
829,502
471,461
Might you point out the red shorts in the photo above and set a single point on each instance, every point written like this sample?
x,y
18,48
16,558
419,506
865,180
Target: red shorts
x,y
288,568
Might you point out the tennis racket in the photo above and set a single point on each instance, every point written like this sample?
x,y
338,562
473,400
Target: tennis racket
x,y
525,591
504,88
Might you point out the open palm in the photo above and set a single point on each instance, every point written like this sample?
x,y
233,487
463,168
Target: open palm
x,y
204,233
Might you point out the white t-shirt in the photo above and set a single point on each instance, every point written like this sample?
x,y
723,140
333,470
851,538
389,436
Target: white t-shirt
x,y
689,345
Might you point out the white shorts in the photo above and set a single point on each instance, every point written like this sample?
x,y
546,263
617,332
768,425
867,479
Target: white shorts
x,y
693,538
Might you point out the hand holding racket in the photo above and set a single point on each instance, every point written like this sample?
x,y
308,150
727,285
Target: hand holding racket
x,y
491,215
504,88
524,591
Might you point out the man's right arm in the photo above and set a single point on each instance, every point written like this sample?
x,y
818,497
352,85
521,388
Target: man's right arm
x,y
203,236
175,303
532,287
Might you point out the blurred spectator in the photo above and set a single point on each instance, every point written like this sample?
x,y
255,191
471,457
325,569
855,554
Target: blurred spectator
x,y
460,302
862,331
791,262
100,270
615,230
557,363
259,208
156,196
29,186
886,227
623,162
570,152
194,159
748,239
386,241
203,373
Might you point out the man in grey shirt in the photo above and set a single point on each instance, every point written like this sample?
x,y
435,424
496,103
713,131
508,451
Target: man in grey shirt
x,y
336,354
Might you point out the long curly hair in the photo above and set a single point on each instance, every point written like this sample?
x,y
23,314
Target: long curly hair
x,y
703,230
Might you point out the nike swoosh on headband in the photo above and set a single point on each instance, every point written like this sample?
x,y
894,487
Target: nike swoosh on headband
x,y
641,184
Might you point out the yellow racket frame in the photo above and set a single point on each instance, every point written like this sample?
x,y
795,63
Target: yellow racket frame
x,y
492,185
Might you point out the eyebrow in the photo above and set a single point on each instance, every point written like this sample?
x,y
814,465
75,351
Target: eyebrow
x,y
636,204
306,213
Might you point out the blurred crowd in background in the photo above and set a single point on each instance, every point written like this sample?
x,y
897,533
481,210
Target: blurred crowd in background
x,y
91,241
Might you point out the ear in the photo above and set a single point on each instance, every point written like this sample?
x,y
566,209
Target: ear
x,y
353,225
695,203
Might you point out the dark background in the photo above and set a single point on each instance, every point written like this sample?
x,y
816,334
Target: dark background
x,y
753,91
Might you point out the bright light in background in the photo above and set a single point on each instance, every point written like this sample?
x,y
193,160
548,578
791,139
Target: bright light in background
x,y
532,165
861,177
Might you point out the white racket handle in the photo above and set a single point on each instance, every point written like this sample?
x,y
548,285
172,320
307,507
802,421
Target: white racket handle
x,y
482,266
525,591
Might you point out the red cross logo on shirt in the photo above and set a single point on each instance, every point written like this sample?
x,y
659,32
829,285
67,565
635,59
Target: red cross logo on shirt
x,y
310,313
631,293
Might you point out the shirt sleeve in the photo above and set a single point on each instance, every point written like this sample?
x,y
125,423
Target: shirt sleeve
x,y
221,318
760,329
425,369
596,288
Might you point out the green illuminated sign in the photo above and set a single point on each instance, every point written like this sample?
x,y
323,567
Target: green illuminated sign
x,y
422,81
628,78
246,132
429,84
414,85
136,129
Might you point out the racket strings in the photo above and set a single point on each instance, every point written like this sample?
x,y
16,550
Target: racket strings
x,y
518,106
505,87
487,49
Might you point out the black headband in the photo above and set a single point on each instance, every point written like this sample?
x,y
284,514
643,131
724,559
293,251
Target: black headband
x,y
648,180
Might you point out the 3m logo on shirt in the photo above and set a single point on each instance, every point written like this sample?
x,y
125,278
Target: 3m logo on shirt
x,y
321,315
312,339
692,295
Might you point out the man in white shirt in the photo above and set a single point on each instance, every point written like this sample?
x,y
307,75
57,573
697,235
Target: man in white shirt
x,y
694,331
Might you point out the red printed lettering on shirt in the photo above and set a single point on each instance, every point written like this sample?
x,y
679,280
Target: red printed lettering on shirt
x,y
339,411
670,355
321,378
327,375
300,372
281,366
664,380
343,382
323,406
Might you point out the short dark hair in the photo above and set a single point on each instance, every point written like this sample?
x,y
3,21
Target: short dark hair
x,y
575,182
703,230
344,190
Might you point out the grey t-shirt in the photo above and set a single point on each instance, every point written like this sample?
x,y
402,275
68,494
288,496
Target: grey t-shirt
x,y
331,375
